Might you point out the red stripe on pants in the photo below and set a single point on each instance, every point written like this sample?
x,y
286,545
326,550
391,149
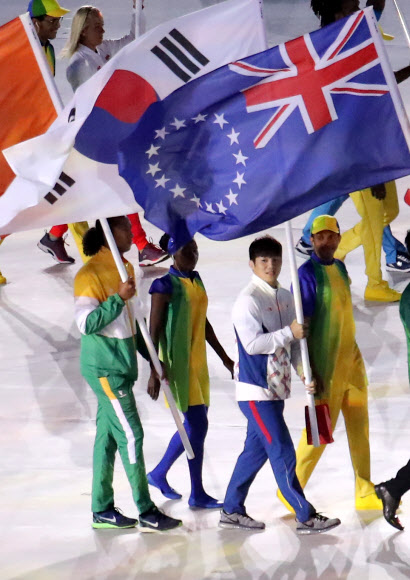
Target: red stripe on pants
x,y
259,421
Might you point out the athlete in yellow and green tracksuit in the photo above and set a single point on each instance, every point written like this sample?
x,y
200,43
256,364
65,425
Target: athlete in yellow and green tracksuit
x,y
109,338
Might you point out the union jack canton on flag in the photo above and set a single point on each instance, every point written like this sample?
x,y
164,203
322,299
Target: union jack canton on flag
x,y
264,139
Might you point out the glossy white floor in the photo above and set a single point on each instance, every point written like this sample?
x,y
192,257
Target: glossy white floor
x,y
47,415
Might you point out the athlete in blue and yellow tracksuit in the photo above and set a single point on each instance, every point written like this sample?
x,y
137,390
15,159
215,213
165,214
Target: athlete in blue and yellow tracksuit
x,y
335,358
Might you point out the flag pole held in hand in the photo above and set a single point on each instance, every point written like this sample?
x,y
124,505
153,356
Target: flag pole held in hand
x,y
313,413
147,338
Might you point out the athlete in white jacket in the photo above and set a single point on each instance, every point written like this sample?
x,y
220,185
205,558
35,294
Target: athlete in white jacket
x,y
267,336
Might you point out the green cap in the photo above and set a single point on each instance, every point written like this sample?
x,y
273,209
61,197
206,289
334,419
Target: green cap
x,y
46,7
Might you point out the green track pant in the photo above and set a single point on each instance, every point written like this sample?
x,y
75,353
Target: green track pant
x,y
118,427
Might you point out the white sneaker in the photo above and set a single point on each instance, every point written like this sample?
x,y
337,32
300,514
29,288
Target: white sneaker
x,y
317,524
242,521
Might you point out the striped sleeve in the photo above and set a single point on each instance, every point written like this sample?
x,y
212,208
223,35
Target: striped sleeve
x,y
91,315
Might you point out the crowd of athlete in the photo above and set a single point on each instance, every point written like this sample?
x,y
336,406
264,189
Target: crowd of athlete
x,y
267,334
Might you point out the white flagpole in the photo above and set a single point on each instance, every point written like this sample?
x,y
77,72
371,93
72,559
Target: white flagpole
x,y
263,23
42,61
303,343
150,346
403,22
139,18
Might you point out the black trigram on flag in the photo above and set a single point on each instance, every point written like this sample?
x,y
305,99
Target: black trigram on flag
x,y
177,60
59,188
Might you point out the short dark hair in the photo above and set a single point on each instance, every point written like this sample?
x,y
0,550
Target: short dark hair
x,y
265,246
94,238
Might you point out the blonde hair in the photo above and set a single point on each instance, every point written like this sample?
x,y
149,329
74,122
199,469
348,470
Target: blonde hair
x,y
77,26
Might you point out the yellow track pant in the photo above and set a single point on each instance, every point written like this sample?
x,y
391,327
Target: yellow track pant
x,y
375,214
352,402
77,231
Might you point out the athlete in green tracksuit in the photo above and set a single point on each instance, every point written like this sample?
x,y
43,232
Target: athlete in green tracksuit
x,y
109,339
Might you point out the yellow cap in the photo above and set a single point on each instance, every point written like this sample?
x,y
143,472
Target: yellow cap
x,y
325,222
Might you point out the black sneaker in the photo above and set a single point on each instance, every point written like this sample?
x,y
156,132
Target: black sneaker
x,y
112,518
316,524
154,520
56,249
303,249
402,264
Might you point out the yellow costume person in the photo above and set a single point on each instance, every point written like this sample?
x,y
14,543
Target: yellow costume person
x,y
375,214
336,360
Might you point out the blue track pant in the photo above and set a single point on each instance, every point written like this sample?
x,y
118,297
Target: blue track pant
x,y
267,438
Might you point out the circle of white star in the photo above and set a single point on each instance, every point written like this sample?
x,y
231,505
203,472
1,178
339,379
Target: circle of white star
x,y
217,208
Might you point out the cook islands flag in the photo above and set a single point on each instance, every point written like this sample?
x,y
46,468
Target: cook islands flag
x,y
268,137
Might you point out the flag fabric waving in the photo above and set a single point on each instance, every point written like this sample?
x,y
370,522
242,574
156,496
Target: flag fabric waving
x,y
267,138
71,173
26,106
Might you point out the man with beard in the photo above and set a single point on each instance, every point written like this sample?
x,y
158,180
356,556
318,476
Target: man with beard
x,y
336,361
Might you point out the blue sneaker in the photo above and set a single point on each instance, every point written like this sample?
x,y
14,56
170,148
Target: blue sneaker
x,y
112,518
164,487
154,520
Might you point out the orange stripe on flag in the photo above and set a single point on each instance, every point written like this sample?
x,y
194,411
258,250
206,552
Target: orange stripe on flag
x,y
26,107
